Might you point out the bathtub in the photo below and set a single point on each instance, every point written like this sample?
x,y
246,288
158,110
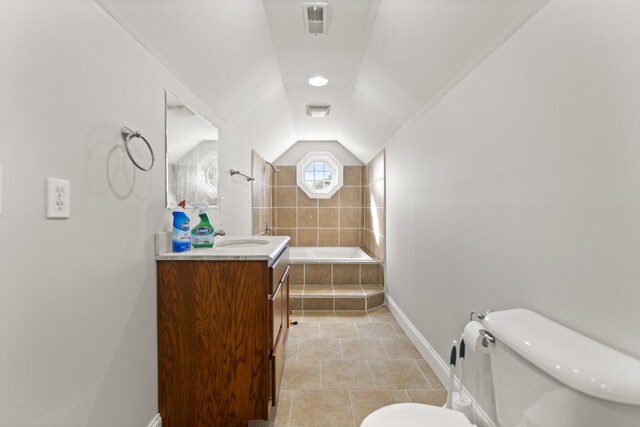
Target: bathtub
x,y
333,255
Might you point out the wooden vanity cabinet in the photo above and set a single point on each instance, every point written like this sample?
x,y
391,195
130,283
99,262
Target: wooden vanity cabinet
x,y
222,331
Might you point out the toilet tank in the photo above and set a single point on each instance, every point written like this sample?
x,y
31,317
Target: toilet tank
x,y
546,375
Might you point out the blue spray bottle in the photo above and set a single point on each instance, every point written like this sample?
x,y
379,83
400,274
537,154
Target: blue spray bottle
x,y
181,230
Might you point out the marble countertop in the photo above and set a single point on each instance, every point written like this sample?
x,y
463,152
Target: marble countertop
x,y
220,252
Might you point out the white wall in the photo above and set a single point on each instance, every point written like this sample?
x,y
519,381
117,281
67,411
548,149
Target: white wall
x,y
77,296
301,148
521,187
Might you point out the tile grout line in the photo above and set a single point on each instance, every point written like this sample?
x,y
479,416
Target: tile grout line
x,y
422,373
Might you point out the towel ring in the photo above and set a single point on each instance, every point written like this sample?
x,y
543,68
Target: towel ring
x,y
128,135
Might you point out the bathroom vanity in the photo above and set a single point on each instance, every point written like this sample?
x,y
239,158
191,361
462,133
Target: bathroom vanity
x,y
223,319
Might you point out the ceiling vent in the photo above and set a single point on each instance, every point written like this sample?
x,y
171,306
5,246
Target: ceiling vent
x,y
316,17
318,111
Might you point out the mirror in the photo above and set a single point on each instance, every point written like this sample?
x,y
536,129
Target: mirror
x,y
192,155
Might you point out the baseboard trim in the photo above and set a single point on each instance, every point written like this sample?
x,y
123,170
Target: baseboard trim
x,y
439,366
156,421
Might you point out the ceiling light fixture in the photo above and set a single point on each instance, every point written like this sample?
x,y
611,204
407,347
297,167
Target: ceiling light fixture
x,y
318,111
318,81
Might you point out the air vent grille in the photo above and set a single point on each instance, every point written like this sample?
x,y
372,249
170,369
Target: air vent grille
x,y
318,111
315,17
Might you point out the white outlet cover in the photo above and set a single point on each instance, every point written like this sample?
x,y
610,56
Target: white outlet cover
x,y
58,198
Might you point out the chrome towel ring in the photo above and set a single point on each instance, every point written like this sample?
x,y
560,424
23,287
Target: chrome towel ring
x,y
128,135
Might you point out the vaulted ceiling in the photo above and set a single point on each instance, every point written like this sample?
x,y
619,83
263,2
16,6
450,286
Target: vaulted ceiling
x,y
387,61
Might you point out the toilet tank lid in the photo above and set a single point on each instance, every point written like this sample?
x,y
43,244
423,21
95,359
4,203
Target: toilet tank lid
x,y
572,358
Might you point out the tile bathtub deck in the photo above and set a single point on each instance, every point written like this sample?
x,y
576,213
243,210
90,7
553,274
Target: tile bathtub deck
x,y
341,366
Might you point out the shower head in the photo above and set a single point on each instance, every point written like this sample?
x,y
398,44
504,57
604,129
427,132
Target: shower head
x,y
275,169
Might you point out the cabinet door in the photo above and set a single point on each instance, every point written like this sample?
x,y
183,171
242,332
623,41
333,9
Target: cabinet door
x,y
277,367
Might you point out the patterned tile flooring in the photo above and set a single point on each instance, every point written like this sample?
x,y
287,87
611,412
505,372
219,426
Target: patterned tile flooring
x,y
341,366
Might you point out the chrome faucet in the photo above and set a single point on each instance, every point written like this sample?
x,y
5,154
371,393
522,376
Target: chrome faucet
x,y
267,230
219,233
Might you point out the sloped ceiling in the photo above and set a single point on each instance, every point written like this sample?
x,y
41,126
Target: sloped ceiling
x,y
386,60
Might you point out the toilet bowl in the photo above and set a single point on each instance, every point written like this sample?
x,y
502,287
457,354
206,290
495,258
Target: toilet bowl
x,y
415,415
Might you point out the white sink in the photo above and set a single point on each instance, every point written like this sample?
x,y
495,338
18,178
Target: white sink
x,y
241,243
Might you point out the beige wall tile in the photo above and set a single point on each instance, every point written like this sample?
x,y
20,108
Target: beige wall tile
x,y
350,304
304,200
317,304
328,217
318,291
286,217
317,274
291,232
370,274
375,168
286,175
328,237
296,274
332,202
350,196
349,237
347,291
346,274
352,176
378,193
307,237
350,217
307,217
295,303
286,197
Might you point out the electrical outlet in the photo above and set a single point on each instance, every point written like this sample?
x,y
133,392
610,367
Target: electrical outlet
x,y
58,198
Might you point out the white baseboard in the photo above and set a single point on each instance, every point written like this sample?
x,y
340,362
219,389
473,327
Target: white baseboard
x,y
156,421
439,366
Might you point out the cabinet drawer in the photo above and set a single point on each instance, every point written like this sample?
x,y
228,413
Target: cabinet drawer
x,y
277,270
276,304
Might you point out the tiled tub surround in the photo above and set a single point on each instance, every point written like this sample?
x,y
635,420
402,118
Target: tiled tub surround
x,y
337,221
341,366
261,192
374,207
336,286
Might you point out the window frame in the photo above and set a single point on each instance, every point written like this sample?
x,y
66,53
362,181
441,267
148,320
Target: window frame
x,y
333,162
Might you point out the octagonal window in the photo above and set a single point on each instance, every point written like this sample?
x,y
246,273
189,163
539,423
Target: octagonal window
x,y
320,175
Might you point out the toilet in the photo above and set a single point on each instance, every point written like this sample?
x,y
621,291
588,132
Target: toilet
x,y
544,375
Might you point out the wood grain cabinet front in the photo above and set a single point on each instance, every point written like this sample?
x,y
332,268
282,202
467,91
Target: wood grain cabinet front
x,y
222,331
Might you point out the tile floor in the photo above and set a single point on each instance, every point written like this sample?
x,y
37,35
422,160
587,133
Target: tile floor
x,y
343,365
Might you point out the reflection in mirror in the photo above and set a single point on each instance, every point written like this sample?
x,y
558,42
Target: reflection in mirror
x,y
192,155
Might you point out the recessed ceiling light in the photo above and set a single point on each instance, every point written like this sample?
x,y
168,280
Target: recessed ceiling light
x,y
318,81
